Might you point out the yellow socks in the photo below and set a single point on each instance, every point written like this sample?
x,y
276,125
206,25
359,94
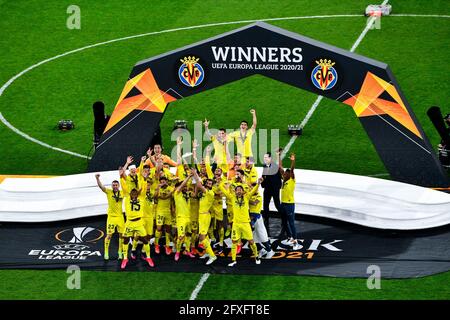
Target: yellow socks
x,y
120,245
167,239
187,243
146,248
207,247
157,237
194,238
178,246
134,245
107,241
254,249
233,251
125,250
211,231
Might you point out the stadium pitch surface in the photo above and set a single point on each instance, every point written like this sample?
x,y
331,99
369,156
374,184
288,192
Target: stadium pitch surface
x,y
415,47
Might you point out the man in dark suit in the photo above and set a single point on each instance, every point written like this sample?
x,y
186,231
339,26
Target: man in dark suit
x,y
272,184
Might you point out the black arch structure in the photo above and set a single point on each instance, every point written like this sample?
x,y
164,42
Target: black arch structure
x,y
362,83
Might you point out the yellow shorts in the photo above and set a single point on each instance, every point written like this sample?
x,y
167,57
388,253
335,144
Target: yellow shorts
x,y
194,215
135,228
148,225
241,231
183,226
163,217
114,222
204,220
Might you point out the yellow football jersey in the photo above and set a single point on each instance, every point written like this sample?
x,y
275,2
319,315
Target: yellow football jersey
x,y
287,191
206,201
134,209
182,204
220,154
134,182
164,204
241,208
251,175
256,208
115,201
243,142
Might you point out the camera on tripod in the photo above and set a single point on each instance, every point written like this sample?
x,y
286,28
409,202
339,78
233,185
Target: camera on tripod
x,y
442,125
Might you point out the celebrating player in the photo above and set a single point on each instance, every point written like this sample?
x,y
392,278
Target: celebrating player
x,y
183,211
135,225
163,197
241,222
243,136
115,220
219,141
206,196
288,201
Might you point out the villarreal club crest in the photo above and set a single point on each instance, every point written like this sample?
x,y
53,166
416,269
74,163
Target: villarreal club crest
x,y
324,76
191,73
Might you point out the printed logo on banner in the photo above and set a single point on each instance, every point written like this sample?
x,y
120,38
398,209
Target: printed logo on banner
x,y
79,235
191,73
324,76
74,245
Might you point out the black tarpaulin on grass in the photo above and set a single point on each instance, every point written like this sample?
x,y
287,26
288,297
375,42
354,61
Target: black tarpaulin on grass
x,y
329,248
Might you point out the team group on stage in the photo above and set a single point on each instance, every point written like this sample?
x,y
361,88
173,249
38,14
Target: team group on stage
x,y
187,207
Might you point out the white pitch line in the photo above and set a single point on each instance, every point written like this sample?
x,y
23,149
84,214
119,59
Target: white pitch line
x,y
319,98
11,80
14,78
199,286
14,129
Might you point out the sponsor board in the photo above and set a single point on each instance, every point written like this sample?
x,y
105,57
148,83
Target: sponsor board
x,y
74,245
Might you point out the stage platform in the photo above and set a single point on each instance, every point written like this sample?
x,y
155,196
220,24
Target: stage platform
x,y
366,201
329,248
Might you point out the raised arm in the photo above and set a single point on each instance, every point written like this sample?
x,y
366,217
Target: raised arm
x,y
122,173
99,183
227,150
125,190
292,157
141,165
198,181
194,151
127,163
179,157
253,112
208,133
280,163
149,160
181,186
255,188
225,192
208,163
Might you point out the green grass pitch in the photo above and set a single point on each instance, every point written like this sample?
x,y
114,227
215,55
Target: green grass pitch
x,y
416,49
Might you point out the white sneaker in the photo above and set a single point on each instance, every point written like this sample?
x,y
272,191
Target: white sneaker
x,y
257,260
232,264
287,242
204,256
296,247
269,254
262,252
211,260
